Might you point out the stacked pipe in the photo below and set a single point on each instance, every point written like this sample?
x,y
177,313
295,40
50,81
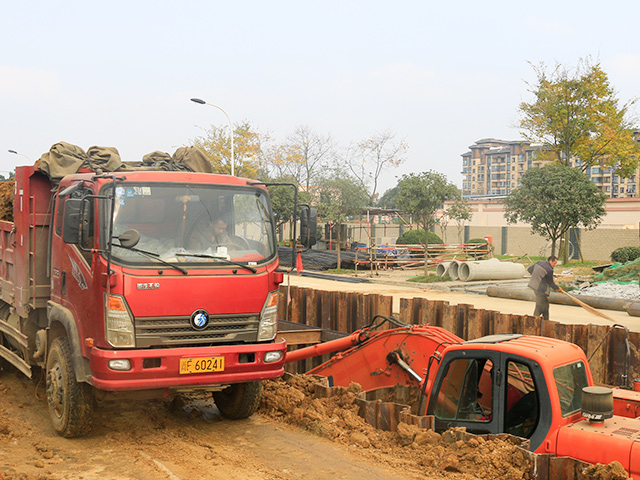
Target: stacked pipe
x,y
492,269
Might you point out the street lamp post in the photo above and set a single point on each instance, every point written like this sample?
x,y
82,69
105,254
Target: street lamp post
x,y
18,153
202,102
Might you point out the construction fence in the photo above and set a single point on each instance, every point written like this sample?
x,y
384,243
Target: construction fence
x,y
612,352
595,245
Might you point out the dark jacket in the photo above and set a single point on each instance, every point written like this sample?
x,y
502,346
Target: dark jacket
x,y
542,277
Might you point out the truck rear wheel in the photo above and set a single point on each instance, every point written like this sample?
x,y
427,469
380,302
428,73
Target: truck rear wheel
x,y
70,402
239,400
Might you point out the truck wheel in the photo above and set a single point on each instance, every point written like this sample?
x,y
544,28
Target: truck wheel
x,y
239,400
70,402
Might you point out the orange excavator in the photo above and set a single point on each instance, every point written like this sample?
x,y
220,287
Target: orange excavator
x,y
532,387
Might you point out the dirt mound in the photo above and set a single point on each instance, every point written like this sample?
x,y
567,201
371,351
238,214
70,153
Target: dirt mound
x,y
298,400
6,200
613,471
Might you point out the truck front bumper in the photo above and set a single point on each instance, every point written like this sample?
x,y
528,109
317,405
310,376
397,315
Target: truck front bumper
x,y
160,368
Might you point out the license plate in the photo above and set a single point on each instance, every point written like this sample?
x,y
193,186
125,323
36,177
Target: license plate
x,y
201,365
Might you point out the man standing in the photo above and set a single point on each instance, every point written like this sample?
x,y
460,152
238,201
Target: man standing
x,y
541,283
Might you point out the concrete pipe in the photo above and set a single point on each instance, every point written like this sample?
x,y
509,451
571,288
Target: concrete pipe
x,y
453,270
443,269
492,269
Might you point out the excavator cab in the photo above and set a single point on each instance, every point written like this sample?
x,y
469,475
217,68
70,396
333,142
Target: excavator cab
x,y
491,392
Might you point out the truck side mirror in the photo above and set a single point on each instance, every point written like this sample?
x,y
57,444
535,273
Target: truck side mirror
x,y
75,228
129,239
308,227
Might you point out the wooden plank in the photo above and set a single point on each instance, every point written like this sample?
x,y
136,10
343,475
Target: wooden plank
x,y
384,305
342,312
406,311
450,318
463,320
527,324
476,324
598,352
294,305
503,323
434,312
326,314
311,308
300,337
420,312
580,334
617,362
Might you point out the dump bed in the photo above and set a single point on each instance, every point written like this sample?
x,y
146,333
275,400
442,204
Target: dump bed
x,y
24,280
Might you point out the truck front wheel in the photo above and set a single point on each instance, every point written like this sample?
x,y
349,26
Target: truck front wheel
x,y
70,402
239,400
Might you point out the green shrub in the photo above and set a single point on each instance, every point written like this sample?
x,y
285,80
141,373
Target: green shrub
x,y
416,237
625,254
481,252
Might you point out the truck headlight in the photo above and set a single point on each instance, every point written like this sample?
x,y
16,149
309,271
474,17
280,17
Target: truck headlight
x,y
269,318
119,323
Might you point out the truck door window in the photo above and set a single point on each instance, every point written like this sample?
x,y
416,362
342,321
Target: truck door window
x,y
570,379
466,391
522,402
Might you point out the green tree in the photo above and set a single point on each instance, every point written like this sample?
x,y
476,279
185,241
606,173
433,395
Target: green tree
x,y
421,195
576,115
247,145
388,199
282,200
340,196
553,199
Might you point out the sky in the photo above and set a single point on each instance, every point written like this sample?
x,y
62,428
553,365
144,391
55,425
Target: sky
x,y
439,75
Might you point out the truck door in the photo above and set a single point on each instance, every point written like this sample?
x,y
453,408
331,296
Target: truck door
x,y
72,265
491,392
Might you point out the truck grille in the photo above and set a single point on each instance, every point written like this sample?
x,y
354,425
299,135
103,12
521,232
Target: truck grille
x,y
177,331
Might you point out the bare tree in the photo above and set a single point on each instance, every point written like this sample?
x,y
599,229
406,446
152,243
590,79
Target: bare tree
x,y
303,156
369,158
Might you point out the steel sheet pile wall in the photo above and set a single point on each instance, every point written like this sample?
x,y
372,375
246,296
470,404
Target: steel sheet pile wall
x,y
346,312
339,311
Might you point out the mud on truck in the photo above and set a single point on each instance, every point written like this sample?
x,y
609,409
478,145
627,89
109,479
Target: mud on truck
x,y
111,285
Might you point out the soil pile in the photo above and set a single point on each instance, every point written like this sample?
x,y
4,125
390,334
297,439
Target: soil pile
x,y
613,471
6,200
297,400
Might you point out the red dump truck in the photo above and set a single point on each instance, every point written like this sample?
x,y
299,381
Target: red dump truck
x,y
533,387
111,283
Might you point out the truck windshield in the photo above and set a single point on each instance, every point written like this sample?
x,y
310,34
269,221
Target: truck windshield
x,y
570,379
211,222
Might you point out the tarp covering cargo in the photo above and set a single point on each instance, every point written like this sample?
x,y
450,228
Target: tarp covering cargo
x,y
65,159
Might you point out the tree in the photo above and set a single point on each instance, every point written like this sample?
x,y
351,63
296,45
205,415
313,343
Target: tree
x,y
576,115
460,212
282,200
340,197
303,156
369,158
388,199
247,145
421,195
553,199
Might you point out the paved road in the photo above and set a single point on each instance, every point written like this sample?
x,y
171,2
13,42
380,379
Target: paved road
x,y
395,285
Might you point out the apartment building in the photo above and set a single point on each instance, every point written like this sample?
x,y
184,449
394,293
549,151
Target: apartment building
x,y
494,167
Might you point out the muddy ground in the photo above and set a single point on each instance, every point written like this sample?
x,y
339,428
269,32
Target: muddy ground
x,y
295,435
